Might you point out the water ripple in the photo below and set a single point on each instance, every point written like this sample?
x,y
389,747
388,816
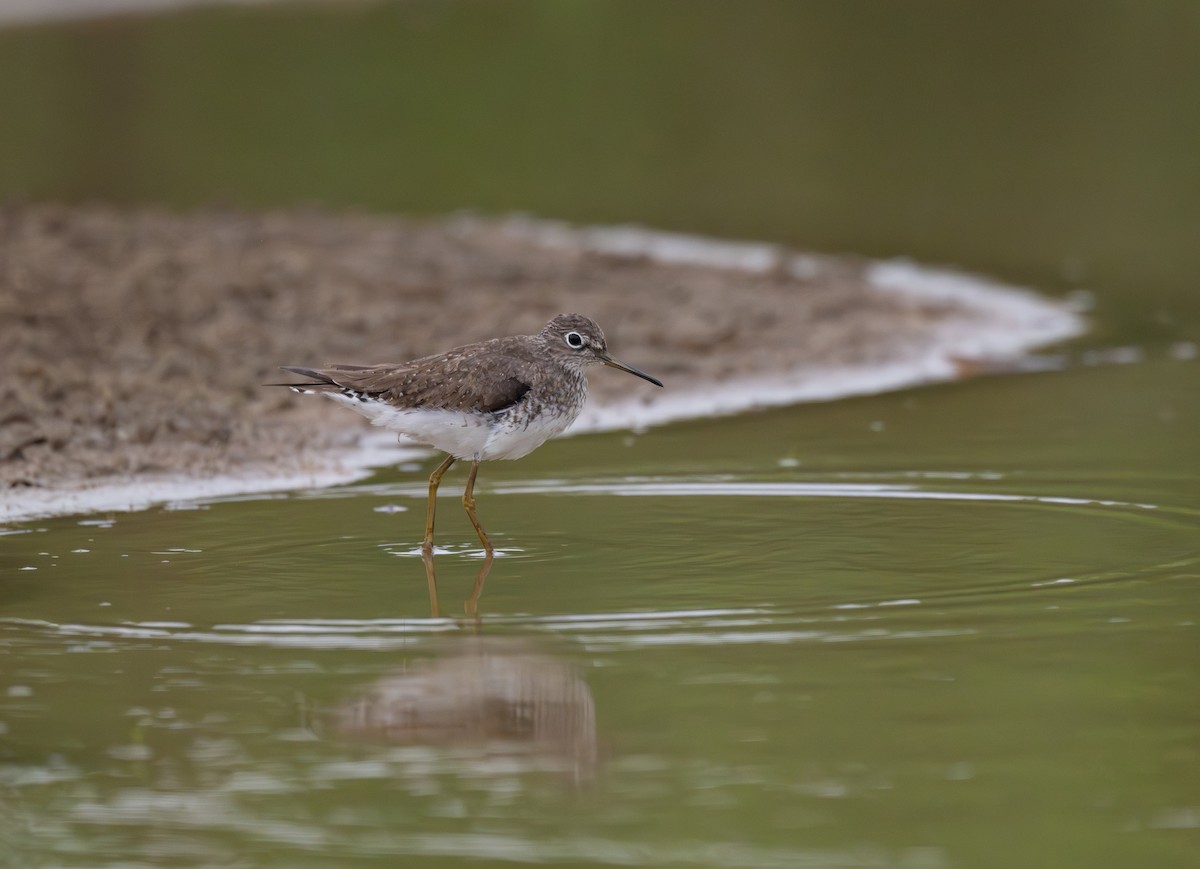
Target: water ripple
x,y
747,489
593,631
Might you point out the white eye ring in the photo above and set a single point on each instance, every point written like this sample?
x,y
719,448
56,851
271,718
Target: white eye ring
x,y
574,340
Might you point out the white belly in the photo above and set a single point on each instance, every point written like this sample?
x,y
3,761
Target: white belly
x,y
463,435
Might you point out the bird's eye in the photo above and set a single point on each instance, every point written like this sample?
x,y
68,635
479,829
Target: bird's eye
x,y
575,340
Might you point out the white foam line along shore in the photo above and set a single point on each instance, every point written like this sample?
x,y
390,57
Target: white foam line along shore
x,y
141,492
1008,321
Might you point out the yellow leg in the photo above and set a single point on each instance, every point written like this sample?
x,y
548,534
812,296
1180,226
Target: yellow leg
x,y
468,500
472,603
434,479
435,611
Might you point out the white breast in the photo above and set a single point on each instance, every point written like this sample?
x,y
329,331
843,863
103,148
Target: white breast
x,y
509,439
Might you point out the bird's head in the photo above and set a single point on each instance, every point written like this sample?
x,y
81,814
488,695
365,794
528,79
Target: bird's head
x,y
577,339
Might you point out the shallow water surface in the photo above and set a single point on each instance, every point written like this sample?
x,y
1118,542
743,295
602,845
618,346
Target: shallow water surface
x,y
917,630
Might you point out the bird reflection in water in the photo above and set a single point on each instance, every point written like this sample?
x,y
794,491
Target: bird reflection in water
x,y
471,605
498,694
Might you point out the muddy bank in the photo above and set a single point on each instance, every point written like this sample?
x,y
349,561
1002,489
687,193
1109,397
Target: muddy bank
x,y
134,343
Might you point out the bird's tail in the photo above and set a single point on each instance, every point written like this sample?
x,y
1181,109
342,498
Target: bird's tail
x,y
319,382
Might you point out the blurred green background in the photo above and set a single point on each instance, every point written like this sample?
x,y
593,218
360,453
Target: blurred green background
x,y
1049,143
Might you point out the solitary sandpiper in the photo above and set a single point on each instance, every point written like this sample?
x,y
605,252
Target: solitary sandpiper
x,y
497,399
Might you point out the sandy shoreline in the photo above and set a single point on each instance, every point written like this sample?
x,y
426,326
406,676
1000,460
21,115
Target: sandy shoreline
x,y
136,340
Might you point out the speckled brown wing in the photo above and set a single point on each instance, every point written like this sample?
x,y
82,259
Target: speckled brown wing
x,y
487,377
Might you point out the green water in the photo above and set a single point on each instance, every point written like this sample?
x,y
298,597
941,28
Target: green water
x,y
948,636
950,627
